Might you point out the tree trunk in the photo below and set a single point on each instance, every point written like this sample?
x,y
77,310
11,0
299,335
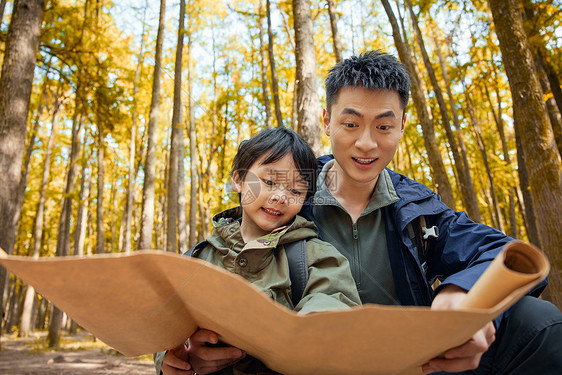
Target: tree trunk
x,y
15,305
82,217
132,147
263,70
471,200
26,319
439,172
464,183
22,43
501,131
308,104
541,155
335,34
496,214
547,75
147,224
552,108
272,66
525,190
176,205
100,235
63,237
192,151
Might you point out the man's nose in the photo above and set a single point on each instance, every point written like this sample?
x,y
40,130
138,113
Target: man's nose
x,y
366,140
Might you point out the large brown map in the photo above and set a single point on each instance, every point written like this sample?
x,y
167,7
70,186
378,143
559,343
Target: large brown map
x,y
151,301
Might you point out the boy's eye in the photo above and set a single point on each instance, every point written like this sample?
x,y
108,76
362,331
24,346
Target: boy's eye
x,y
268,182
348,125
295,191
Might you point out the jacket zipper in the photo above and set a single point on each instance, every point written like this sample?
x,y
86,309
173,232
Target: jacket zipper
x,y
356,263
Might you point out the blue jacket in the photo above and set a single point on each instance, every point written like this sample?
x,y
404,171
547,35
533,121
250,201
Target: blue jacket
x,y
459,255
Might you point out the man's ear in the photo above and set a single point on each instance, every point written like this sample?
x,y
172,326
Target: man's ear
x,y
236,182
326,121
404,121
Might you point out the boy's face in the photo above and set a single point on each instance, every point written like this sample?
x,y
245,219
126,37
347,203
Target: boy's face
x,y
271,196
364,127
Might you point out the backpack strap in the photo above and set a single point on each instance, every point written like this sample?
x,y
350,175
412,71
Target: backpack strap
x,y
200,245
422,237
298,268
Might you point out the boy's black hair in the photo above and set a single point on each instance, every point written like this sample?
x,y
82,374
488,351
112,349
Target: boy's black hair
x,y
276,143
374,70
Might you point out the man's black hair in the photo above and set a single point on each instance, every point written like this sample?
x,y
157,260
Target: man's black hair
x,y
276,143
374,70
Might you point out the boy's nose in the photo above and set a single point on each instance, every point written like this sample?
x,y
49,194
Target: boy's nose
x,y
280,197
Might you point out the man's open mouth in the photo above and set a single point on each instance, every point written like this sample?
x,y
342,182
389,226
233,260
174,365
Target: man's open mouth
x,y
364,160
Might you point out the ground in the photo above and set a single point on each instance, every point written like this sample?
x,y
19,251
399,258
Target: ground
x,y
78,355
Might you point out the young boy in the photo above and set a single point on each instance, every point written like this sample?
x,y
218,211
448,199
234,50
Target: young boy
x,y
274,173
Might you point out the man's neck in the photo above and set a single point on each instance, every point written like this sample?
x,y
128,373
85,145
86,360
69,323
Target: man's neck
x,y
353,195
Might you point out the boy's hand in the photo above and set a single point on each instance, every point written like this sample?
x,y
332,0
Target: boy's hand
x,y
206,359
466,356
176,362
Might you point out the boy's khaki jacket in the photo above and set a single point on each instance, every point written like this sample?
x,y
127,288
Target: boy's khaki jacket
x,y
263,263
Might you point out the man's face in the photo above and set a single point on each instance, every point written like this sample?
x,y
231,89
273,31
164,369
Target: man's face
x,y
364,127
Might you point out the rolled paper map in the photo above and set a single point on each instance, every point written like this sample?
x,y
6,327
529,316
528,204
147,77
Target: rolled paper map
x,y
518,264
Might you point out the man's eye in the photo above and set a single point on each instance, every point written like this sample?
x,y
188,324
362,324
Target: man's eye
x,y
348,125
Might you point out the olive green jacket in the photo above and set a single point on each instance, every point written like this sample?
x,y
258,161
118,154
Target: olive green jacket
x,y
263,263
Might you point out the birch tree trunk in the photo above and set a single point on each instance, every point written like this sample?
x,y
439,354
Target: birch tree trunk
x,y
22,43
541,155
308,104
272,66
82,217
336,41
176,206
263,70
100,233
147,224
63,237
132,149
192,150
26,318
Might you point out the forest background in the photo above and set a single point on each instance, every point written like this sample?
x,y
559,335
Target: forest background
x,y
115,114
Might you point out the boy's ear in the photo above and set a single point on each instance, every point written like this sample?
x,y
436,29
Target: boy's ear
x,y
326,121
236,182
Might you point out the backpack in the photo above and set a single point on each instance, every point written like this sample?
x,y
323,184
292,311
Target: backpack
x,y
422,238
298,266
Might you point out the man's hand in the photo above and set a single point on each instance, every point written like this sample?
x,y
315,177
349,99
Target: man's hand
x,y
466,356
207,359
176,362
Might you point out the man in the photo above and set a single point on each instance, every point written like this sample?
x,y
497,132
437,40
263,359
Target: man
x,y
372,214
